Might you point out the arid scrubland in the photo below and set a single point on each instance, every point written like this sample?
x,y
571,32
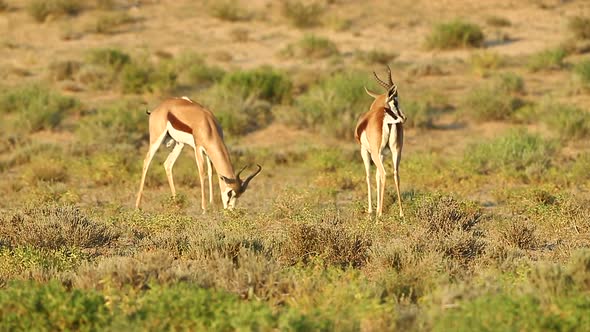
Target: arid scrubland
x,y
494,176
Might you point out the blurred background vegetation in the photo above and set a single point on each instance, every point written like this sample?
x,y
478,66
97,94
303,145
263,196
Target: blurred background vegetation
x,y
495,170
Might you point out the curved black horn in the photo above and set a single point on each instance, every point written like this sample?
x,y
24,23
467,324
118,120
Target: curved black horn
x,y
385,85
245,183
390,78
240,172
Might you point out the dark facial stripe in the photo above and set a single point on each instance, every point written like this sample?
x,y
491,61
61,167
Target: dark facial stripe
x,y
392,114
179,125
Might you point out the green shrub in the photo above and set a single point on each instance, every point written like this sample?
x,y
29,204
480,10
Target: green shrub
x,y
312,47
484,62
420,114
302,15
497,21
569,121
582,72
455,34
37,107
548,59
333,106
140,77
237,112
62,70
193,70
109,57
264,83
509,82
111,23
580,27
515,153
54,227
41,9
376,56
491,102
516,312
229,11
124,123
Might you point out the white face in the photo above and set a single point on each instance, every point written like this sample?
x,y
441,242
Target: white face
x,y
393,105
229,198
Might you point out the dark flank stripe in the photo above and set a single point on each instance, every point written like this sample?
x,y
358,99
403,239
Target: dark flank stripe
x,y
179,125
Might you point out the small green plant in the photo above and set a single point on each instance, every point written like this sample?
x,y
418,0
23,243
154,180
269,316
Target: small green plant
x,y
509,82
311,46
516,153
376,56
238,113
484,62
265,83
62,70
112,58
140,77
582,72
491,102
420,114
37,107
455,34
41,9
229,11
580,27
333,105
499,22
111,23
569,121
548,59
302,15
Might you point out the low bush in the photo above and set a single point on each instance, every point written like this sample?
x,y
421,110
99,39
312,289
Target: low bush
x,y
580,27
334,105
40,10
455,34
111,23
230,11
547,59
493,101
569,121
302,15
311,47
263,83
36,107
582,72
516,153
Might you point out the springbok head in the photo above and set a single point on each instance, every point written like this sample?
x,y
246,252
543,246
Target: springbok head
x,y
391,97
236,187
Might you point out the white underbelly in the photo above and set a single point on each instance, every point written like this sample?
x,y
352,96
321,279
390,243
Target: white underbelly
x,y
180,136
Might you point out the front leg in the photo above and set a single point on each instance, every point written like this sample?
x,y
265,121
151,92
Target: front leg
x,y
367,162
201,167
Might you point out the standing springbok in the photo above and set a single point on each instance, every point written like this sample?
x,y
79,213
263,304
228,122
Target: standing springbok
x,y
378,129
188,122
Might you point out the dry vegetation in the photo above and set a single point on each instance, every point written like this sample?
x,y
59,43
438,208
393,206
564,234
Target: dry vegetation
x,y
495,172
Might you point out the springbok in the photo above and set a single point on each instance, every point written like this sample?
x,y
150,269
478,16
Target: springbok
x,y
187,122
380,128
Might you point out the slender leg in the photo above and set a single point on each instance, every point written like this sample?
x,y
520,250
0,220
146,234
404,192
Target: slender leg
x,y
380,177
367,161
395,144
201,167
146,164
210,176
169,163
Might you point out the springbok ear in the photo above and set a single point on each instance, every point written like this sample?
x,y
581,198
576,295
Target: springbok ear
x,y
371,93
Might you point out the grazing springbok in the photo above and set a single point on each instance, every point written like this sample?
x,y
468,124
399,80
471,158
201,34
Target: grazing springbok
x,y
380,128
187,122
